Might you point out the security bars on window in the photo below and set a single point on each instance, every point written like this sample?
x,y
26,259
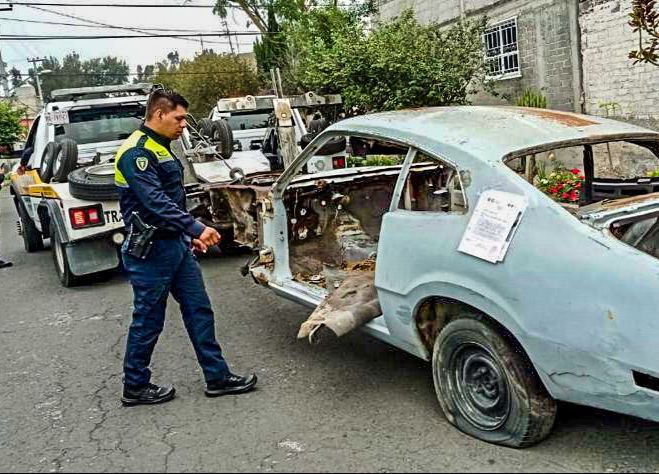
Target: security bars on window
x,y
502,50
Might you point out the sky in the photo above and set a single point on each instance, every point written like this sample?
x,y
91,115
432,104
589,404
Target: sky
x,y
134,51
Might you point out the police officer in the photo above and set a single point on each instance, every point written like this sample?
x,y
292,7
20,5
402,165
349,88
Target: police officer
x,y
150,182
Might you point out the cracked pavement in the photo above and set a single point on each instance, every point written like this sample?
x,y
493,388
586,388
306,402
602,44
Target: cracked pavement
x,y
351,405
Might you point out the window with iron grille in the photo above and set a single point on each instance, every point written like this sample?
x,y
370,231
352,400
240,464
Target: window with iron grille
x,y
502,50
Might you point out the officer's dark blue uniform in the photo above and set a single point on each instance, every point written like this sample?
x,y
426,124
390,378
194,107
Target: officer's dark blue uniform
x,y
150,182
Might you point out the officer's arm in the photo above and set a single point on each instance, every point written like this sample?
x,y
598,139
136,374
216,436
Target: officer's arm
x,y
145,183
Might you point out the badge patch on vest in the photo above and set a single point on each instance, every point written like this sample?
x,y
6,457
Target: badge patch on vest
x,y
142,163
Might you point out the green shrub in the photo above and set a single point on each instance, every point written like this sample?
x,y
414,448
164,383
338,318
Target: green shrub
x,y
532,98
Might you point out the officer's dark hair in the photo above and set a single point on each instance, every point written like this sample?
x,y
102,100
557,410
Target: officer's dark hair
x,y
165,100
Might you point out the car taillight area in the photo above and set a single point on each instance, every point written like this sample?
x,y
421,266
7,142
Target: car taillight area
x,y
339,162
85,217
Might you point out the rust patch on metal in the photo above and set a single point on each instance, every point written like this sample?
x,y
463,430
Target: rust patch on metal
x,y
618,203
565,118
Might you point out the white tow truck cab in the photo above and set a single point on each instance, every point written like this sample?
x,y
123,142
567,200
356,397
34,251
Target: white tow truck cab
x,y
68,194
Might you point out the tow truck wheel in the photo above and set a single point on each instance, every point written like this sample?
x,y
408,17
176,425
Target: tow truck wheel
x,y
62,268
32,238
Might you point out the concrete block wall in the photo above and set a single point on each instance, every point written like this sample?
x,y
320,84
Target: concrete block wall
x,y
546,31
608,74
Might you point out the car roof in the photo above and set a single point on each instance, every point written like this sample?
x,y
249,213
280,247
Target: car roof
x,y
491,133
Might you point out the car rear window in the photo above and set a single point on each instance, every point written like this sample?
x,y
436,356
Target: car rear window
x,y
101,124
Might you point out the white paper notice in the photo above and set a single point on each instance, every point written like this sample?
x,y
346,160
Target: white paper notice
x,y
493,225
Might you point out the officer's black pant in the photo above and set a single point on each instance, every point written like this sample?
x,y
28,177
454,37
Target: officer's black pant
x,y
170,268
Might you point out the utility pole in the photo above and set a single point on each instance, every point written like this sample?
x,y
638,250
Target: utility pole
x,y
34,62
226,27
3,76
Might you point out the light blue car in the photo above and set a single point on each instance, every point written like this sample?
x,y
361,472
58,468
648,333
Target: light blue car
x,y
518,300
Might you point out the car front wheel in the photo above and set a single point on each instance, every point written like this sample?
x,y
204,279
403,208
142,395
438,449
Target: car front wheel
x,y
486,386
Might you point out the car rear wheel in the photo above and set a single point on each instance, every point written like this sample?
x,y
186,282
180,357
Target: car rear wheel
x,y
486,386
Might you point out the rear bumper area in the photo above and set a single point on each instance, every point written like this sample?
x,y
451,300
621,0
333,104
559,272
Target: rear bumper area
x,y
90,256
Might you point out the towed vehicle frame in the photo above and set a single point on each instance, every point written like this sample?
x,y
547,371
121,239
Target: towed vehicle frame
x,y
563,310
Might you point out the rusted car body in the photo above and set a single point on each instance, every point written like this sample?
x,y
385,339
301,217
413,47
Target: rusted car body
x,y
570,313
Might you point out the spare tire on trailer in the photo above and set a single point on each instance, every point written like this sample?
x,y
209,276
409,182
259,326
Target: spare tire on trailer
x,y
66,160
94,183
206,127
333,146
223,136
48,161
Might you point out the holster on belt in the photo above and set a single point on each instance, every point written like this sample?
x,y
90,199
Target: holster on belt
x,y
140,237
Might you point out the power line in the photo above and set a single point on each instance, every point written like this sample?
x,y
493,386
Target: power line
x,y
94,22
147,5
109,5
132,74
59,23
150,35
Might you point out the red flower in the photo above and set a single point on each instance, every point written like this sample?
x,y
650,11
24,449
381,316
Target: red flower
x,y
574,196
560,187
582,177
578,186
576,171
565,195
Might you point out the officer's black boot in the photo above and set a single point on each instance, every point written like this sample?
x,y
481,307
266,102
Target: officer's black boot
x,y
4,264
149,395
232,385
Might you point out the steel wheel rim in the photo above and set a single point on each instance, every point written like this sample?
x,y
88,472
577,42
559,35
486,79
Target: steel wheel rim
x,y
480,388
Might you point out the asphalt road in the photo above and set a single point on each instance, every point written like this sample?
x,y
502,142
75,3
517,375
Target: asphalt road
x,y
353,405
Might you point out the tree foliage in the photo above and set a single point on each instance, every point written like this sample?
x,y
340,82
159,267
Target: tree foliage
x,y
399,64
10,123
645,21
207,78
272,50
270,15
73,72
258,10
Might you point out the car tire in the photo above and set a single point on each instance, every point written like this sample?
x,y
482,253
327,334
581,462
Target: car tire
x,y
94,183
62,268
66,160
317,125
223,136
206,128
48,161
486,386
333,146
32,238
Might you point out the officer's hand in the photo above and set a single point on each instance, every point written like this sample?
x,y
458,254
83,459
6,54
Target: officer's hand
x,y
210,237
21,170
199,246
